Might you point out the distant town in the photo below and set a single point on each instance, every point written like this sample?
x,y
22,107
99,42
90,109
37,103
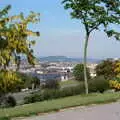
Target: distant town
x,y
55,68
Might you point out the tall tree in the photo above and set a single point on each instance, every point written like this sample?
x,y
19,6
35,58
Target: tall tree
x,y
94,15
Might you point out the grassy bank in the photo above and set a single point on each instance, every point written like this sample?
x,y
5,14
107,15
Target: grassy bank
x,y
54,105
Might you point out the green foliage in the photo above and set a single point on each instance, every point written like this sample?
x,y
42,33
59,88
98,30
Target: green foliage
x,y
52,105
7,101
36,82
15,42
54,94
33,98
8,81
95,15
5,10
69,82
52,84
14,35
4,118
98,84
78,72
117,68
11,101
26,81
106,68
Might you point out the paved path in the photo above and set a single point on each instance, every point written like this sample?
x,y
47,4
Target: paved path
x,y
97,112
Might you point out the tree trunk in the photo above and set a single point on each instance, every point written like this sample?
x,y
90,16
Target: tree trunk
x,y
85,64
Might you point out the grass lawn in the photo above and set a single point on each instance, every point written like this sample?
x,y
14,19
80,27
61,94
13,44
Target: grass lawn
x,y
54,105
69,82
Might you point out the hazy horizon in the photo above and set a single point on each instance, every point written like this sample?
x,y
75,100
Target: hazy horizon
x,y
77,57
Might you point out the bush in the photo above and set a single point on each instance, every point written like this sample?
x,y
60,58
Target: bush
x,y
8,101
54,94
11,101
115,84
4,118
98,84
52,84
106,68
33,98
51,94
78,72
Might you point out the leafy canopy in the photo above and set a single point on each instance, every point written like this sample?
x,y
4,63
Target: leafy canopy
x,y
15,37
8,81
78,72
95,13
106,68
15,41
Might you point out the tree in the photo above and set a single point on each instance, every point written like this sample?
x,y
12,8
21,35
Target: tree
x,y
15,37
36,82
94,15
117,68
8,81
106,68
78,72
15,43
27,81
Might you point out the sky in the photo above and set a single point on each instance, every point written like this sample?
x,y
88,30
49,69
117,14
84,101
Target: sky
x,y
59,34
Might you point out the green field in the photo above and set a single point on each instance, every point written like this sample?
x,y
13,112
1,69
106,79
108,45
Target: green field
x,y
54,105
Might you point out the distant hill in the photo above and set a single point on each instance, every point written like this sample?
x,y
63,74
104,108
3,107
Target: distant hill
x,y
66,59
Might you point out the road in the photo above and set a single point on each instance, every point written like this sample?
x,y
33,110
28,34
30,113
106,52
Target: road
x,y
95,112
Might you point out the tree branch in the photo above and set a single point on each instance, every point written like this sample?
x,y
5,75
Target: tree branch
x,y
95,27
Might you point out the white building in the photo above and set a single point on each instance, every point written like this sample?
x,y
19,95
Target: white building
x,y
92,69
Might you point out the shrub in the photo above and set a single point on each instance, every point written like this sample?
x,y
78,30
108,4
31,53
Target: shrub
x,y
33,98
70,91
98,84
106,68
8,101
52,84
11,101
115,84
4,118
50,94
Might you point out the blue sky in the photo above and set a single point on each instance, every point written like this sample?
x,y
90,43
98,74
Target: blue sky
x,y
61,35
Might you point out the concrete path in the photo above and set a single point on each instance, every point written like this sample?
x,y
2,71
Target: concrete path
x,y
95,112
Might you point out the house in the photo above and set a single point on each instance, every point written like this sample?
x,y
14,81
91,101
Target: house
x,y
52,76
